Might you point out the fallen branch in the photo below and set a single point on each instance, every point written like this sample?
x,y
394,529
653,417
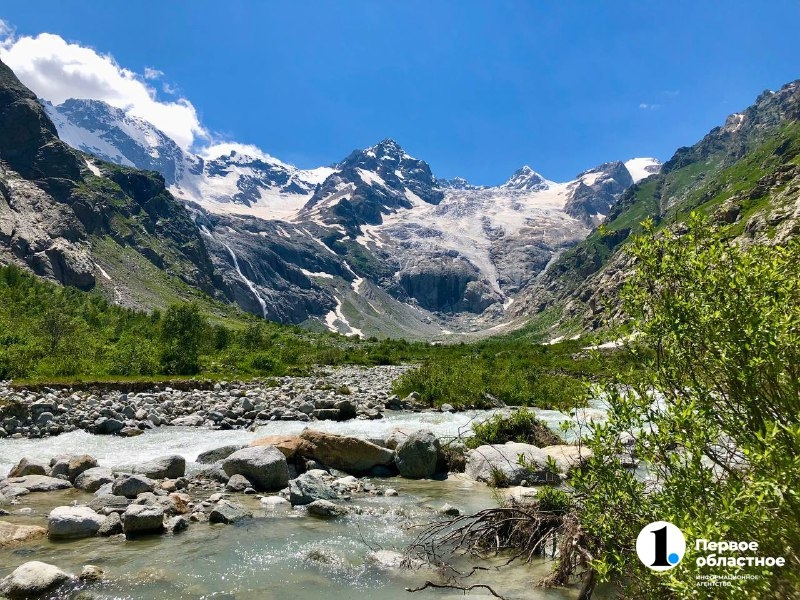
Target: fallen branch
x,y
450,586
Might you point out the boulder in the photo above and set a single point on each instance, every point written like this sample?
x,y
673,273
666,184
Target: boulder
x,y
395,438
218,454
289,445
108,426
33,579
131,485
193,420
237,483
112,525
391,559
228,512
73,522
28,466
35,483
139,518
109,503
12,534
166,467
499,464
275,503
348,454
179,503
326,509
307,488
264,466
91,573
94,478
417,455
177,524
214,473
72,466
568,457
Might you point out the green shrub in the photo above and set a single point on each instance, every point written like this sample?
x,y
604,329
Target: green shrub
x,y
722,446
265,364
554,500
521,426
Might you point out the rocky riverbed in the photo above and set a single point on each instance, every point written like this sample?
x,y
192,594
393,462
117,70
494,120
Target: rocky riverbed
x,y
213,466
335,394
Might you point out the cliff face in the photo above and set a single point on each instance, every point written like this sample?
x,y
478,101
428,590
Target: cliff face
x,y
62,211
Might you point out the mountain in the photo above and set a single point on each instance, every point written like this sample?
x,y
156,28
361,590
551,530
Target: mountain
x,y
744,174
526,179
372,244
90,224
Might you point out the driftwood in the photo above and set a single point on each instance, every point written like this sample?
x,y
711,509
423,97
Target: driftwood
x,y
520,531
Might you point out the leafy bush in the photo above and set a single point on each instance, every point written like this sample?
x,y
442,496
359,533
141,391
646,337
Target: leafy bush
x,y
554,500
723,442
521,426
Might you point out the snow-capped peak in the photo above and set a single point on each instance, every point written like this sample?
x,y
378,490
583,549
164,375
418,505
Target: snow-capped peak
x,y
457,183
527,179
641,168
241,153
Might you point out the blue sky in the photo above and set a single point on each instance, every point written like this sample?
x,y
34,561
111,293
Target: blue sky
x,y
475,88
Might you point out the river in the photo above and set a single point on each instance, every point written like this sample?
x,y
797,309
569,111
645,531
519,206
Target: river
x,y
285,555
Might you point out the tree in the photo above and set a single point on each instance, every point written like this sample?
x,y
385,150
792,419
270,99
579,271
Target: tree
x,y
713,412
183,330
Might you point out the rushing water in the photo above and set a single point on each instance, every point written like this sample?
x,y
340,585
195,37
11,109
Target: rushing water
x,y
286,556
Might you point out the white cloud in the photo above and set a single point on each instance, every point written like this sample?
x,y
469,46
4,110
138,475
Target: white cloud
x,y
218,149
646,106
57,70
151,73
6,30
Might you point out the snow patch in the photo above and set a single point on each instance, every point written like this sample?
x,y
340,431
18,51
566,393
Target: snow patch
x,y
102,272
91,166
641,168
337,315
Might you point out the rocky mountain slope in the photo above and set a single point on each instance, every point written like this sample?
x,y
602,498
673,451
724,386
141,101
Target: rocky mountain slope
x,y
83,222
374,244
744,174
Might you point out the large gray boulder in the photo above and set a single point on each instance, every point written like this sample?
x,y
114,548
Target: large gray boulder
x,y
228,512
33,579
112,525
416,456
166,467
140,518
131,485
326,509
218,454
35,483
73,522
94,478
307,488
108,503
264,466
72,466
509,464
568,457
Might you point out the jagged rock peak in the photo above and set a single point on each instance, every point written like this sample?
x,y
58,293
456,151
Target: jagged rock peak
x,y
457,183
526,179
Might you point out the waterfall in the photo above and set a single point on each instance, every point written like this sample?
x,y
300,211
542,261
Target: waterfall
x,y
249,283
